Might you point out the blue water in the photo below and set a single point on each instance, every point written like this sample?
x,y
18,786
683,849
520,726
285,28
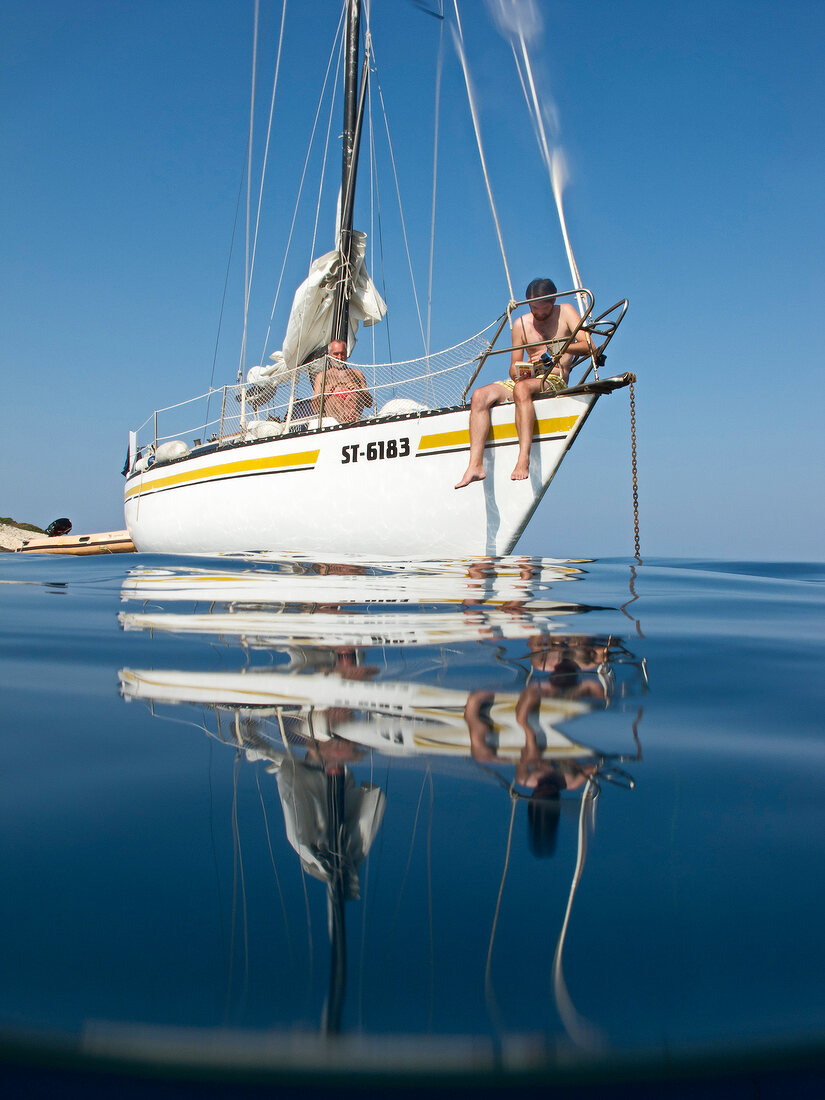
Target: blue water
x,y
561,810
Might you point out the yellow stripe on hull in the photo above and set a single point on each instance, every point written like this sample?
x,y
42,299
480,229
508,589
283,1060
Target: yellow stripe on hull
x,y
302,459
499,433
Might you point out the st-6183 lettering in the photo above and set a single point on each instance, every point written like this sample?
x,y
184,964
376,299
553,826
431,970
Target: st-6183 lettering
x,y
377,449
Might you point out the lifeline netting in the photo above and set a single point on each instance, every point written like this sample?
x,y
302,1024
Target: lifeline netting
x,y
262,409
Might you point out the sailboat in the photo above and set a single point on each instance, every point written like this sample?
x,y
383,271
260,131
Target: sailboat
x,y
285,462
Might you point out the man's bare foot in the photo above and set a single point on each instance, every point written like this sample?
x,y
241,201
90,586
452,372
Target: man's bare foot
x,y
521,472
471,474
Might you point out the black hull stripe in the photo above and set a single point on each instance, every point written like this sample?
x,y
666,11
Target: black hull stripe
x,y
211,481
489,446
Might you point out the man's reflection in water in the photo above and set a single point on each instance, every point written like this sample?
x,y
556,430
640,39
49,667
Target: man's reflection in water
x,y
566,658
485,568
485,572
337,569
543,777
565,665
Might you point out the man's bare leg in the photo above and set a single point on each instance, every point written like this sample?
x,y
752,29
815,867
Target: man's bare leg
x,y
525,423
478,726
482,401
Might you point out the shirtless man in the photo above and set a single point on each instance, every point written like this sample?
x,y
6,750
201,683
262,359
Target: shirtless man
x,y
543,330
345,392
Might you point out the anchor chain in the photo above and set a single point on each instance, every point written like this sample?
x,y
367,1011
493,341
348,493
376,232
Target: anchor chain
x,y
635,472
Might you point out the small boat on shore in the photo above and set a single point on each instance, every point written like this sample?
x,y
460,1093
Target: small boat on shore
x,y
104,542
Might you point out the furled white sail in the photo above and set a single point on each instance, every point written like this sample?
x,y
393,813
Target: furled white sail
x,y
303,794
310,321
269,375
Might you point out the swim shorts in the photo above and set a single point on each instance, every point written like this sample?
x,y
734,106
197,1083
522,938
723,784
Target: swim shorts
x,y
552,383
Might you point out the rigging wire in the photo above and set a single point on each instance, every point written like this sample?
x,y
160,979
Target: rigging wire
x,y
336,39
274,867
366,895
492,1005
431,928
409,859
436,113
307,910
325,155
580,1030
249,186
635,472
375,216
226,285
553,163
429,11
400,209
373,184
326,149
265,162
458,38
238,882
324,167
214,850
371,146
374,176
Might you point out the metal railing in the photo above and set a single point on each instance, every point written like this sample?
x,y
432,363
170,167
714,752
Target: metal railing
x,y
289,405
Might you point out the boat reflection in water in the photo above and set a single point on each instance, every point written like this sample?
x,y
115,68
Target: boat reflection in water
x,y
466,669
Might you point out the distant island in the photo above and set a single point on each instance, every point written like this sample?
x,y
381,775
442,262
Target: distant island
x,y
14,534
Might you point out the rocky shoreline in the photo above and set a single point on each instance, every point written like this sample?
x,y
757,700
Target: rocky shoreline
x,y
13,535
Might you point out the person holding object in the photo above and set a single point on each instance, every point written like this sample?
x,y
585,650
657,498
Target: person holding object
x,y
541,333
345,388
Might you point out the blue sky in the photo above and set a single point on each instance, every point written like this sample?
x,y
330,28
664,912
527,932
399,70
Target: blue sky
x,y
694,137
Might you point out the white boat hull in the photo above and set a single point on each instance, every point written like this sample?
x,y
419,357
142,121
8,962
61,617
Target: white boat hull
x,y
296,580
381,489
399,717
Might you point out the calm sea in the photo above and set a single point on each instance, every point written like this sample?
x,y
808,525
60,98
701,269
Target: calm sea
x,y
507,816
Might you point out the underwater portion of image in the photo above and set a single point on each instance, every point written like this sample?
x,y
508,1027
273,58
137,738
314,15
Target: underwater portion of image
x,y
504,815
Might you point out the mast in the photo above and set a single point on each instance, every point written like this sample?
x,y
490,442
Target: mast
x,y
336,812
353,116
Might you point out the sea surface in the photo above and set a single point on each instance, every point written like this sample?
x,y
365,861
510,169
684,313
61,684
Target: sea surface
x,y
508,816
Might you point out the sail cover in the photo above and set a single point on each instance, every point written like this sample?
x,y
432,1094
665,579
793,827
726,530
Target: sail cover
x,y
310,322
